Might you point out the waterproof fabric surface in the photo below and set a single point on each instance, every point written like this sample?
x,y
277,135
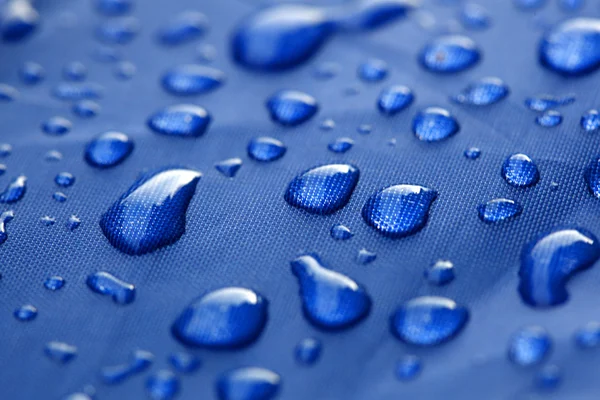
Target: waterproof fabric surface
x,y
241,232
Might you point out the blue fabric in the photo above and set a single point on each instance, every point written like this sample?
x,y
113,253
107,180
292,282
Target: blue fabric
x,y
240,231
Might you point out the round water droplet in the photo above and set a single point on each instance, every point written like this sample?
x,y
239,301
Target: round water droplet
x,y
185,363
7,93
249,383
18,19
499,210
472,153
225,318
5,150
394,99
441,273
26,313
434,124
308,351
15,190
373,70
64,179
53,156
32,73
545,102
57,126
86,108
60,352
162,385
590,121
192,79
341,145
114,7
184,28
291,107
266,149
54,283
108,285
118,31
548,377
529,346
483,92
449,54
184,120
108,149
549,119
341,232
588,336
323,190
74,71
399,210
229,167
475,17
408,368
59,197
520,171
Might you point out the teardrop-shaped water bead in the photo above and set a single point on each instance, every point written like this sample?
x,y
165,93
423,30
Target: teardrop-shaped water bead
x,y
108,149
15,190
529,346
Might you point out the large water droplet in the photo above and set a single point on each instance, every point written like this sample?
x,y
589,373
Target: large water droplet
x,y
18,19
266,149
118,31
184,28
572,47
429,321
449,54
330,300
548,262
529,346
15,190
434,124
291,107
151,214
590,121
308,351
180,120
225,318
26,313
399,210
323,190
394,99
108,285
192,79
5,218
519,170
108,149
499,210
483,92
249,383
60,352
162,385
140,361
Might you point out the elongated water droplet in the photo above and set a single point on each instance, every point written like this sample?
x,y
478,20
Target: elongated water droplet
x,y
529,346
229,167
323,190
441,273
266,149
408,368
572,47
483,92
64,179
249,383
472,153
448,54
73,222
590,121
162,385
118,31
151,214
365,257
308,351
192,79
291,107
15,190
520,171
5,218
399,210
499,210
108,149
108,285
140,361
225,318
184,363
434,124
330,300
341,232
18,19
26,313
394,99
54,283
373,70
341,145
60,352
32,73
114,7
72,91
429,321
57,126
545,102
180,120
588,336
548,262
187,26
549,119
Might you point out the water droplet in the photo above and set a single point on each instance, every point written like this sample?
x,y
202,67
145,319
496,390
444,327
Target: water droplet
x,y
64,179
408,368
73,91
434,124
592,176
78,396
192,79
291,107
588,336
529,346
373,70
54,283
118,31
73,222
330,300
140,361
472,153
57,126
185,363
499,210
229,167
108,285
162,385
74,71
429,321
341,232
5,150
483,92
365,257
5,218
53,156
399,210
151,214
548,377
86,108
364,129
114,7
327,124
249,383
572,47
308,351
125,70
341,145
15,190
266,149
447,54
475,17
590,121
206,53
394,99
225,318
32,73
108,149
2,169
549,119
59,197
549,261
18,19
441,273
47,220
187,26
323,190
520,171
7,93
60,352
180,120
26,313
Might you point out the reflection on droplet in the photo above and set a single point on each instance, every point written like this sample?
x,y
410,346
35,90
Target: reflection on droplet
x,y
57,126
73,91
15,190
32,73
7,93
549,377
73,222
118,31
341,145
545,102
140,361
448,54
5,218
529,346
588,336
184,363
59,197
475,17
26,313
408,368
373,70
249,383
74,71
341,232
472,153
229,167
18,19
184,28
54,283
86,108
441,273
590,121
108,285
64,179
60,352
365,257
549,119
162,385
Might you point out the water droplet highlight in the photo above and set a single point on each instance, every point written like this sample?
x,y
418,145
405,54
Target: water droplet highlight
x,y
118,31
5,218
74,71
15,190
108,285
291,107
441,273
60,352
192,79
108,149
54,283
472,153
475,17
229,167
529,346
64,179
18,19
341,145
483,92
73,223
26,313
32,73
449,54
499,210
588,336
549,377
186,27
394,99
73,91
408,368
184,120
249,383
266,149
140,361
341,232
365,257
59,197
545,102
520,171
86,109
57,126
184,363
434,124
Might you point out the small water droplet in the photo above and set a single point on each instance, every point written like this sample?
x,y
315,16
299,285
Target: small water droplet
x,y
341,232
429,321
475,17
590,121
125,70
73,223
108,285
5,150
529,346
118,31
588,336
32,73
364,129
472,153
327,124
18,19
434,124
499,210
86,109
266,149
399,210
162,385
53,156
248,383
448,54
60,352
184,28
192,79
394,99
330,300
341,145
140,361
8,93
47,220
291,107
74,71
64,179
108,149
549,261
520,171
549,119
323,190
229,167
408,368
5,218
59,197
57,126
308,351
26,313
225,318
483,92
73,91
185,120
15,190
441,273
185,363
365,257
114,7
549,377
54,283
326,70
373,70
